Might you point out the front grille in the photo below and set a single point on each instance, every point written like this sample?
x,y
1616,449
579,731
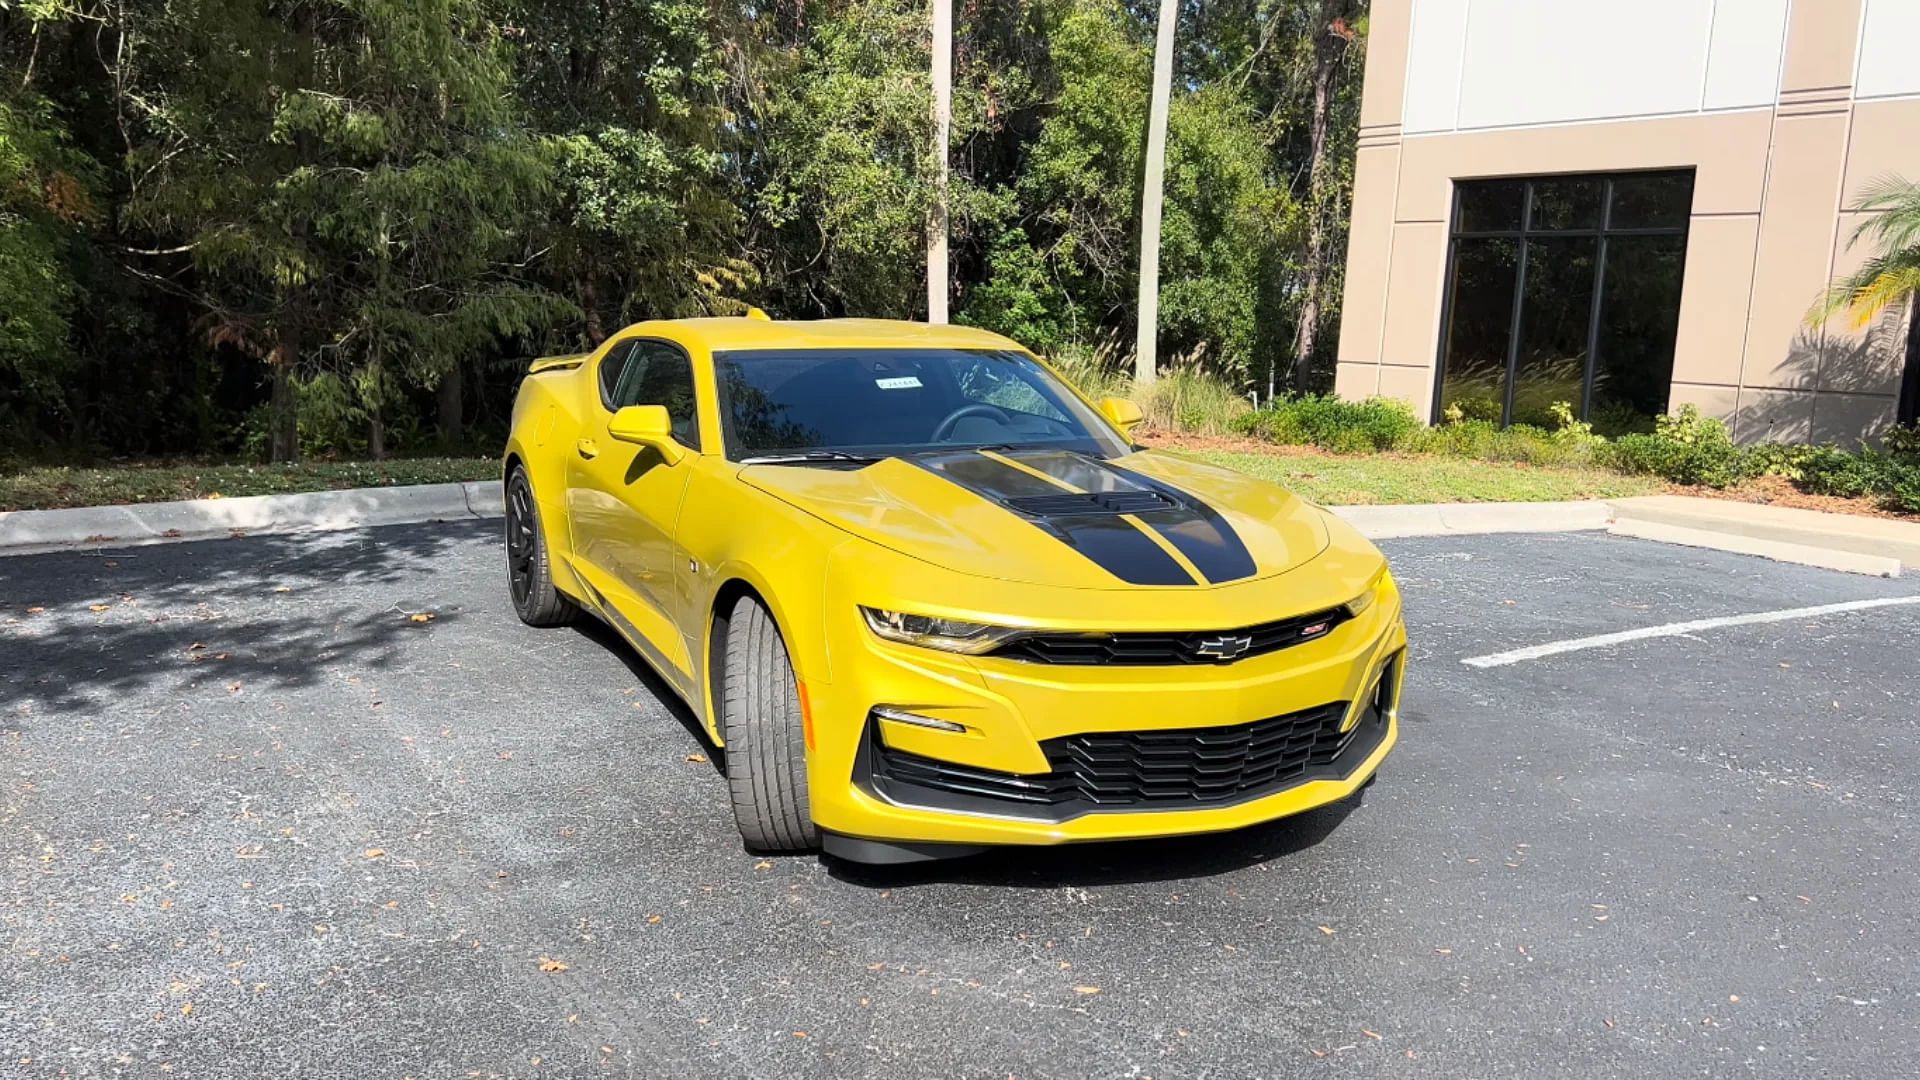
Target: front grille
x,y
1181,768
1175,646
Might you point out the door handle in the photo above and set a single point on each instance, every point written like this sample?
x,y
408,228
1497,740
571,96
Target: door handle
x,y
587,449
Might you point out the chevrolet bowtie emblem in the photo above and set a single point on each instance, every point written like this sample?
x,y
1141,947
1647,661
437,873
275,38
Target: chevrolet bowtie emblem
x,y
1224,647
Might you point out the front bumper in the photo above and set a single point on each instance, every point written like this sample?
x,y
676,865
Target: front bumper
x,y
1330,706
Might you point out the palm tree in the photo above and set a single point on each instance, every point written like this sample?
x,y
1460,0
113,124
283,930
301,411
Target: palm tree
x,y
1892,275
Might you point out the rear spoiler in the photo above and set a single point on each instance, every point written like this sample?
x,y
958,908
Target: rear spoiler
x,y
557,363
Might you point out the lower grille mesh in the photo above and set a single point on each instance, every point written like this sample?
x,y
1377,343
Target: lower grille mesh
x,y
1145,770
1197,765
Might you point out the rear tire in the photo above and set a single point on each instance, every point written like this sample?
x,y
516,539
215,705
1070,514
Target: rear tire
x,y
529,573
766,737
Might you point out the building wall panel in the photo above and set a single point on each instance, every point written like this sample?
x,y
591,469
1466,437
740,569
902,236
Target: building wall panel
x,y
1889,31
1743,55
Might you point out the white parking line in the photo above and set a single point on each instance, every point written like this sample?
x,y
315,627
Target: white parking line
x,y
1679,629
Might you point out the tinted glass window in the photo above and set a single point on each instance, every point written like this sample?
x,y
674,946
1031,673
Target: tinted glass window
x,y
1651,201
1551,364
876,402
660,374
1597,263
1639,317
611,367
1479,322
1490,205
1567,204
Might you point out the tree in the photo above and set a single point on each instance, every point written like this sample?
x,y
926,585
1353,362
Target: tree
x,y
641,222
1332,35
347,177
44,202
836,166
1892,275
1063,263
258,225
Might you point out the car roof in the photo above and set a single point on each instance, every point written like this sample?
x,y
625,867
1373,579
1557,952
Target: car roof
x,y
723,333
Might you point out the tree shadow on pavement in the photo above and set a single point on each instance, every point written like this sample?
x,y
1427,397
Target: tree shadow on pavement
x,y
253,611
79,667
1114,862
202,570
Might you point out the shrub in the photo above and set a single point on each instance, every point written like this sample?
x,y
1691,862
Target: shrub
x,y
1463,438
1892,478
1344,427
1903,494
1686,449
1779,459
1094,371
1191,400
1904,442
1255,422
1829,470
1184,399
1468,409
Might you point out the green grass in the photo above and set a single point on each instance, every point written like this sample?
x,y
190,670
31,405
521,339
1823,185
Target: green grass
x,y
51,488
1328,478
1338,480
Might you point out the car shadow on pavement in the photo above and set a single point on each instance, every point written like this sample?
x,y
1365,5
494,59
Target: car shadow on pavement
x,y
1113,862
604,636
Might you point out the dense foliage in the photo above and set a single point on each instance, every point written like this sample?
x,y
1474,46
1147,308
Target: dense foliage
x,y
286,226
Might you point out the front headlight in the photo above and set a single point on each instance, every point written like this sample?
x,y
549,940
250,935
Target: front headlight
x,y
1365,600
933,632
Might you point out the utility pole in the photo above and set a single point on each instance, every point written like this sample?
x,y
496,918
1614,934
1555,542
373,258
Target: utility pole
x,y
1150,194
942,134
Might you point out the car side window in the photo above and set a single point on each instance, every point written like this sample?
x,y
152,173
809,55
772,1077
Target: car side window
x,y
660,374
612,366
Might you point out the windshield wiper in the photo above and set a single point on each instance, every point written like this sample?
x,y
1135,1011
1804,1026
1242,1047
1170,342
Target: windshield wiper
x,y
799,457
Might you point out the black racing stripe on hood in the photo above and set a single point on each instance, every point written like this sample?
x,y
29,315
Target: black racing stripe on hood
x,y
1195,529
1108,541
1201,533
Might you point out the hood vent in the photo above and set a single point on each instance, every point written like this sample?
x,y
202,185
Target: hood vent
x,y
1099,502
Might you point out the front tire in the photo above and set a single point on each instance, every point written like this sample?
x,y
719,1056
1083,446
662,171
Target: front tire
x,y
761,719
529,574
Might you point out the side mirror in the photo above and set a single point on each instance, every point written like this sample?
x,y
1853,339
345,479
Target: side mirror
x,y
647,425
1122,414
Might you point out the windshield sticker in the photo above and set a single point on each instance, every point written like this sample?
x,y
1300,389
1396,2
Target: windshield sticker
x,y
904,382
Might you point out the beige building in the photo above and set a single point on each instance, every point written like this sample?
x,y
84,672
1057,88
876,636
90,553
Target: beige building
x,y
1629,205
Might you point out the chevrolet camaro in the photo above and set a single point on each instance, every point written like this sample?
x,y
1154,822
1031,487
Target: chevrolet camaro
x,y
927,598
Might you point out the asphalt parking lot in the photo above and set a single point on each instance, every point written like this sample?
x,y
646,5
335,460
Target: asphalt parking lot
x,y
263,817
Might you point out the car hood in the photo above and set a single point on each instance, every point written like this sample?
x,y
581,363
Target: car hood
x,y
1062,519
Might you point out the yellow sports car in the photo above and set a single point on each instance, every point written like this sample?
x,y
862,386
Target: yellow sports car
x,y
928,598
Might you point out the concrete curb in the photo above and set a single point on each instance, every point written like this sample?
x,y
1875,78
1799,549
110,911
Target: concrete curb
x,y
26,532
1826,558
1883,538
1441,519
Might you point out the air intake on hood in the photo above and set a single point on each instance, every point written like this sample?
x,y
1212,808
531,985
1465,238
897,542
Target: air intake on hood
x,y
1098,502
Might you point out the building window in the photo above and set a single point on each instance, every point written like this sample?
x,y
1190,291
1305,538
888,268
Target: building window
x,y
1564,288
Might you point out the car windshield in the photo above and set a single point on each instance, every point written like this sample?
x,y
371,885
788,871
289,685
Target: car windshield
x,y
852,405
